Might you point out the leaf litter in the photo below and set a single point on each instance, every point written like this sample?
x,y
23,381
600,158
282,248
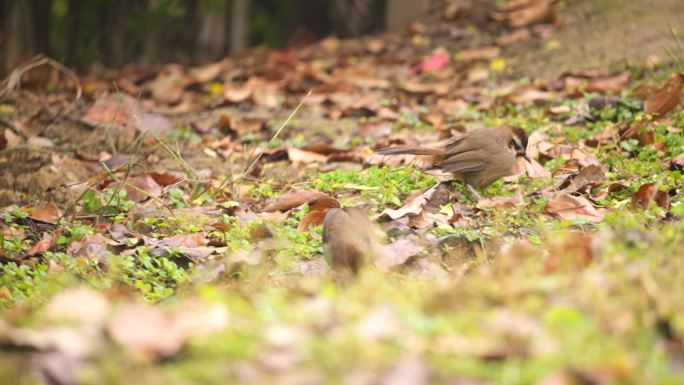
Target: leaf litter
x,y
217,221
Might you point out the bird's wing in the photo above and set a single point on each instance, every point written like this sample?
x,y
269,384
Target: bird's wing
x,y
465,162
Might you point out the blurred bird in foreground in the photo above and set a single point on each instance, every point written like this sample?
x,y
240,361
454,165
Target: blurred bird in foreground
x,y
350,239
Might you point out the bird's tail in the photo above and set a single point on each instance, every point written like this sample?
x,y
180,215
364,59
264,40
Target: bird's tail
x,y
413,150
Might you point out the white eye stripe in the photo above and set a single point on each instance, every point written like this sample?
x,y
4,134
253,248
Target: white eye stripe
x,y
517,142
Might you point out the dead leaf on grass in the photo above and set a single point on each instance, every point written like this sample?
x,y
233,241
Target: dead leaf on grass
x,y
265,93
526,95
169,85
501,202
667,98
415,87
570,207
48,213
375,130
238,93
296,155
397,253
207,73
438,60
93,247
571,251
648,193
191,240
516,36
590,175
292,199
140,188
318,208
478,54
148,332
413,205
522,14
576,85
41,246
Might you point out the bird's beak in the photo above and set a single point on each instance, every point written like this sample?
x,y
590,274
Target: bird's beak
x,y
524,155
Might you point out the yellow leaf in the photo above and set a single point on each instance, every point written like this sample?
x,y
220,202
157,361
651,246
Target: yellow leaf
x,y
498,64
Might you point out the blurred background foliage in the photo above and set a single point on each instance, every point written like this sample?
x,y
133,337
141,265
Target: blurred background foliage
x,y
83,33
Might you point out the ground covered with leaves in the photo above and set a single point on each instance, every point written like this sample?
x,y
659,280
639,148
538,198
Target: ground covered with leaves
x,y
163,225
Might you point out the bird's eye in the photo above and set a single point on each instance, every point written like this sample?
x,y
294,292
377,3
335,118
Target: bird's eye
x,y
512,144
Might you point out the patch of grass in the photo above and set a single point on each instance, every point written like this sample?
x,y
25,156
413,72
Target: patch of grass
x,y
155,277
379,185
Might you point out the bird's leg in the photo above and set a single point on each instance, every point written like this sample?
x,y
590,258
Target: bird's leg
x,y
474,192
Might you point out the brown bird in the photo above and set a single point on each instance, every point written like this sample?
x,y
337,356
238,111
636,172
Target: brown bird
x,y
350,239
479,157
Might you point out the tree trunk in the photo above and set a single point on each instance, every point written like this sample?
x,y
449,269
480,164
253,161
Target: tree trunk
x,y
114,22
40,13
354,16
400,13
239,25
75,15
190,27
10,36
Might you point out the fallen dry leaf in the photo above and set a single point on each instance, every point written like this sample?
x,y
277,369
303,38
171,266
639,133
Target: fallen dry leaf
x,y
118,110
642,131
207,72
397,253
318,208
375,130
571,251
300,156
600,83
648,193
48,213
515,36
165,179
149,332
78,305
41,246
140,188
529,95
501,202
413,205
238,93
590,175
667,98
528,13
191,240
416,87
479,54
96,247
534,169
292,199
570,207
265,93
437,61
169,85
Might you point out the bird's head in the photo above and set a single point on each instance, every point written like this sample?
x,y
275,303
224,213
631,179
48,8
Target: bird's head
x,y
518,142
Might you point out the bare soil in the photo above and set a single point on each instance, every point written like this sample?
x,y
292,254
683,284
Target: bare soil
x,y
602,34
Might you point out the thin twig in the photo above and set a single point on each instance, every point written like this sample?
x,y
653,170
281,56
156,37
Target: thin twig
x,y
251,166
13,81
